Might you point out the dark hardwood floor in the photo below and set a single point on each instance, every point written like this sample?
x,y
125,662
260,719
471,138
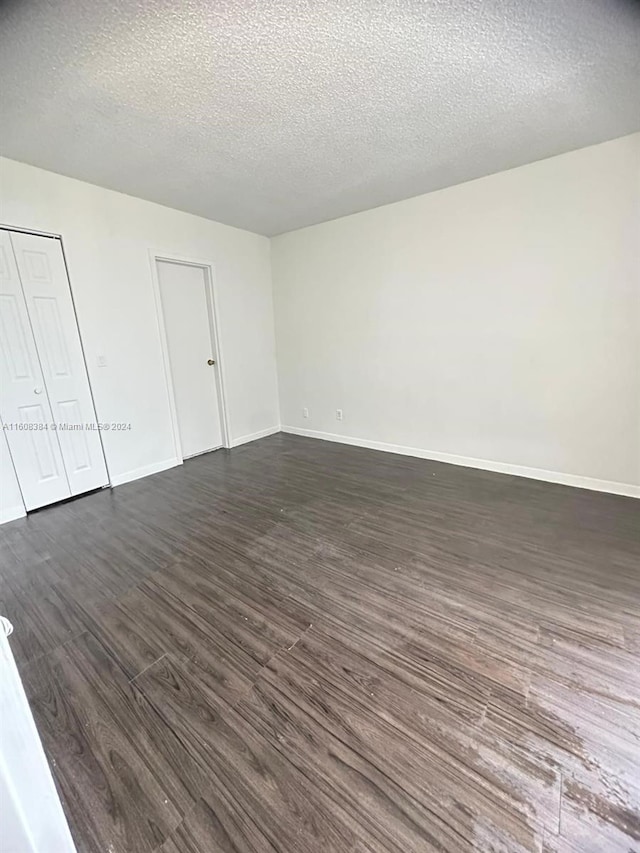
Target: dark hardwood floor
x,y
298,646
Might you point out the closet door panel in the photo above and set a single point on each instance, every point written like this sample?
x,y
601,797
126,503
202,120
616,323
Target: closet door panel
x,y
24,405
48,297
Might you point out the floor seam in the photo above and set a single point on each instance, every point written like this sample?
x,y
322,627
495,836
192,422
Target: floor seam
x,y
560,802
266,664
297,640
24,663
483,715
153,663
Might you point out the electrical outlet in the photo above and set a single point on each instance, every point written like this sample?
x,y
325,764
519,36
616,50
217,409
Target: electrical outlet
x,y
305,412
338,414
102,361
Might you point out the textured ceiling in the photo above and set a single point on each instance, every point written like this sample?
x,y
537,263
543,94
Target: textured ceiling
x,y
274,115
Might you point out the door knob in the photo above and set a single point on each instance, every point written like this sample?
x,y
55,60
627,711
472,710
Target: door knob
x,y
37,390
211,362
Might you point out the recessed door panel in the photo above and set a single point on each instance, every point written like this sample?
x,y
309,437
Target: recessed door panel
x,y
24,404
75,447
36,424
47,315
48,298
13,341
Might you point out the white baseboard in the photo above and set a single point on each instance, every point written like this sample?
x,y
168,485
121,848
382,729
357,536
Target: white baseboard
x,y
244,439
145,471
615,488
11,513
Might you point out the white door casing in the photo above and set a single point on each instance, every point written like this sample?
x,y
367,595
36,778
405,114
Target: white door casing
x,y
187,315
35,452
50,306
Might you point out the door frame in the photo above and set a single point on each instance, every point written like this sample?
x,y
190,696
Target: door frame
x,y
216,346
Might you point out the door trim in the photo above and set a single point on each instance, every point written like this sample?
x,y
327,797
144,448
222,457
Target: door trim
x,y
216,346
20,230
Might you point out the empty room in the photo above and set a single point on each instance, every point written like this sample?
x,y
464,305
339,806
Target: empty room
x,y
320,409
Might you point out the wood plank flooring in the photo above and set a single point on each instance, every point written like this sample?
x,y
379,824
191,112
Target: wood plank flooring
x,y
298,646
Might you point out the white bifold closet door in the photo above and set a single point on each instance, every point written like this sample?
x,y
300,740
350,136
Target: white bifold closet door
x,y
45,399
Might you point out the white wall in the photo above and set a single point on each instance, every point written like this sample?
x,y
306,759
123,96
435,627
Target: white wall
x,y
107,237
497,320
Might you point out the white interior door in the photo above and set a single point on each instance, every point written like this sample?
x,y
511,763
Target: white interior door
x,y
24,404
48,296
187,320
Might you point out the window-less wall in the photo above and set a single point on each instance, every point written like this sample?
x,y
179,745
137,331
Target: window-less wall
x,y
495,323
107,239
